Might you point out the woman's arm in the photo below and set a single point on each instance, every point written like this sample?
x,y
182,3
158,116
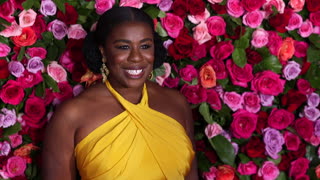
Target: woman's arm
x,y
58,149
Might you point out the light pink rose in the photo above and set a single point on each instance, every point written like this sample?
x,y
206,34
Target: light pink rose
x,y
151,1
196,19
4,50
165,5
37,51
77,89
234,8
266,100
216,25
313,99
103,5
13,30
172,24
306,29
248,168
15,140
35,64
16,68
211,175
76,31
27,18
167,71
251,102
259,38
269,171
58,28
48,8
300,49
16,166
214,1
297,5
4,148
292,141
291,70
278,4
167,43
316,29
253,19
295,22
213,130
57,72
131,3
233,100
200,33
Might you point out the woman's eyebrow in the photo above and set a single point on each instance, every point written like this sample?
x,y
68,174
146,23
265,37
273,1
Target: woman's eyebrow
x,y
128,41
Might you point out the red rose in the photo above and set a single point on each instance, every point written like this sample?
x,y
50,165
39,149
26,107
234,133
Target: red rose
x,y
299,167
301,152
7,9
182,46
255,148
304,128
243,124
39,25
4,72
196,7
70,16
315,18
302,177
179,8
200,145
253,57
304,86
12,93
222,50
27,38
219,9
65,91
262,121
280,118
171,82
252,5
292,141
198,51
285,162
225,172
35,110
18,4
305,67
280,21
293,100
29,79
239,76
74,48
78,71
219,68
313,5
194,94
212,156
213,99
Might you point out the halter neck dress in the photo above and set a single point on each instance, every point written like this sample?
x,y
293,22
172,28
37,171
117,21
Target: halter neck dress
x,y
138,144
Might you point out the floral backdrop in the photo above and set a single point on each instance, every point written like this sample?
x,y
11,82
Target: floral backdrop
x,y
250,70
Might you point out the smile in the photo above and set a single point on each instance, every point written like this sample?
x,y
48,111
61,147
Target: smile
x,y
134,72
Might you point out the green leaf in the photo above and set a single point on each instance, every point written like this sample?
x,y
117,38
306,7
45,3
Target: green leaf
x,y
90,5
204,110
311,152
243,42
47,36
282,176
270,63
28,4
243,158
239,57
223,82
223,148
152,11
313,75
238,21
40,89
161,31
315,40
52,52
313,54
50,82
242,177
12,129
60,5
161,14
194,81
5,22
21,53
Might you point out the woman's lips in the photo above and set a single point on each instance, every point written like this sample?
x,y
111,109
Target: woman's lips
x,y
134,73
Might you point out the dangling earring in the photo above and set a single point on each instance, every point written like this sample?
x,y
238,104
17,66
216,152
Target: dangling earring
x,y
150,77
104,70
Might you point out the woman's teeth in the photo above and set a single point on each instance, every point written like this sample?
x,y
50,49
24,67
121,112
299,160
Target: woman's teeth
x,y
134,72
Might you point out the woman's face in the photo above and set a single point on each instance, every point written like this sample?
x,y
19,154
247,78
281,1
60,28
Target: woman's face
x,y
129,51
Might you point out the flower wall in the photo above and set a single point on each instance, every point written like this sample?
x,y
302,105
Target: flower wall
x,y
249,69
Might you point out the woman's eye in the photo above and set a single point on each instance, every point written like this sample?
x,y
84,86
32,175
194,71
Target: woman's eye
x,y
122,47
145,46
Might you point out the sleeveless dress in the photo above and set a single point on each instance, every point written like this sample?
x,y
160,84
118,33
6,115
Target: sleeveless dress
x,y
138,144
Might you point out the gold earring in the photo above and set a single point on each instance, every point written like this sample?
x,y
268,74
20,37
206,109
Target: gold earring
x,y
150,77
104,71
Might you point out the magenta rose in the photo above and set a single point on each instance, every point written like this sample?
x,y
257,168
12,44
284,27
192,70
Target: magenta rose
x,y
216,25
35,108
37,51
65,92
252,5
4,50
171,82
295,22
7,10
221,50
274,42
268,83
103,5
198,51
12,93
234,8
269,171
16,166
233,100
188,73
280,118
194,94
253,19
299,167
251,102
259,38
213,99
248,168
292,141
219,68
172,24
29,79
76,31
243,124
39,26
304,86
300,49
304,127
239,76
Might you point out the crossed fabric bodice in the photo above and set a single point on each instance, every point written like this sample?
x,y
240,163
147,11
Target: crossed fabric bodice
x,y
138,144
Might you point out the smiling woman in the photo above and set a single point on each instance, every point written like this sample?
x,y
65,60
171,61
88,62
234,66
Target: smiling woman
x,y
126,127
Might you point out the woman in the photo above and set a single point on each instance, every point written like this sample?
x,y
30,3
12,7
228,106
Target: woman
x,y
126,127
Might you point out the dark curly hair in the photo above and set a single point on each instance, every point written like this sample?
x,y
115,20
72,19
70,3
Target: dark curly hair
x,y
105,25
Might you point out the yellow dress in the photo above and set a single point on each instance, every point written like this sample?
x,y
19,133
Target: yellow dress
x,y
138,144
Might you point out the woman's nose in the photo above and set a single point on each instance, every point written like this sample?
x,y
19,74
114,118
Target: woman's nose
x,y
135,55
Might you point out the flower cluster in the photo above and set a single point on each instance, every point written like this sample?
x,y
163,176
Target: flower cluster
x,y
249,69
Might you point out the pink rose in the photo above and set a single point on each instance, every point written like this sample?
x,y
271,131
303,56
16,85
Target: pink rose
x,y
131,3
268,83
306,29
252,5
16,166
301,48
292,141
219,68
221,50
280,118
233,100
214,1
194,94
12,93
239,76
278,4
57,72
259,38
299,167
243,124
7,10
13,30
295,22
76,31
248,168
269,171
15,140
213,99
304,86
251,102
103,5
171,82
234,8
37,51
4,50
29,79
213,130
188,73
266,100
167,71
196,19
315,18
297,5
151,1
200,33
211,175
253,19
172,24
27,18
274,42
216,25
